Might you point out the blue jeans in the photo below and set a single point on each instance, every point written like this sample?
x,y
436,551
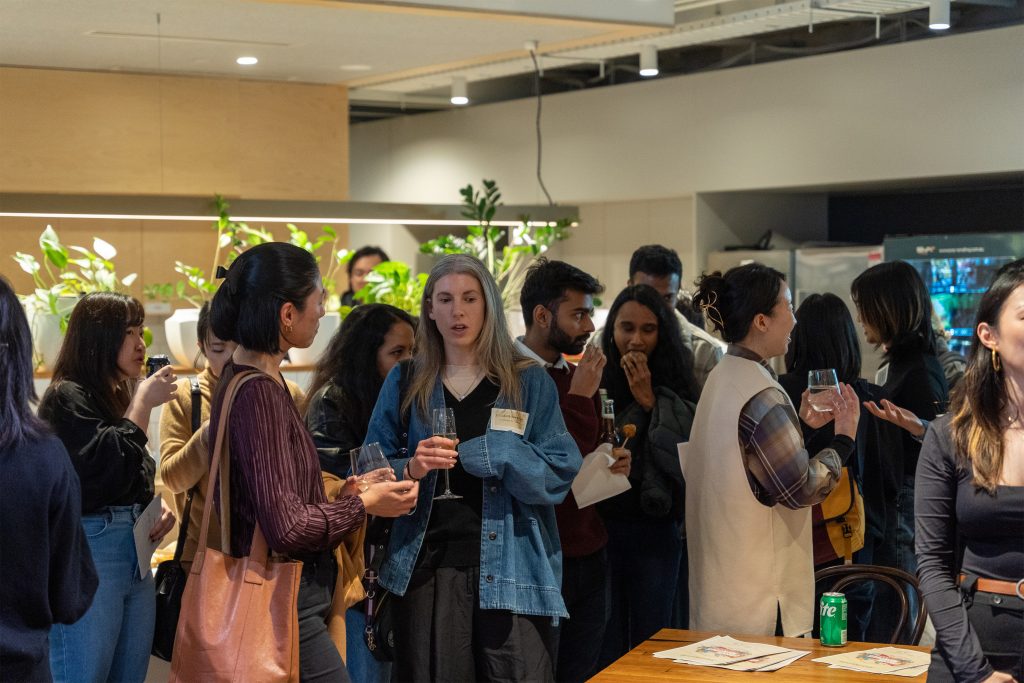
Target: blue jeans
x,y
643,568
111,642
361,665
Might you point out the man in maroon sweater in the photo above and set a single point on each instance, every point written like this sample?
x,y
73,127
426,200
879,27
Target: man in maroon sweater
x,y
557,302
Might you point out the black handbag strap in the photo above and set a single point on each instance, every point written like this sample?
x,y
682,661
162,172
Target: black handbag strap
x,y
197,414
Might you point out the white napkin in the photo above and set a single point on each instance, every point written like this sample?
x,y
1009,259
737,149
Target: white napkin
x,y
595,482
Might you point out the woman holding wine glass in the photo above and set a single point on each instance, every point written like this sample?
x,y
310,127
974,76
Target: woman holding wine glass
x,y
749,532
476,575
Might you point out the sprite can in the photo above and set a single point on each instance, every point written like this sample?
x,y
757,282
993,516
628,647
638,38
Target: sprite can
x,y
833,619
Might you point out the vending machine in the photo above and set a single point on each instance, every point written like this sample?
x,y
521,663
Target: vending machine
x,y
957,269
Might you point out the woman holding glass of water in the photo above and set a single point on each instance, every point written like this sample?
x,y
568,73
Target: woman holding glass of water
x,y
476,569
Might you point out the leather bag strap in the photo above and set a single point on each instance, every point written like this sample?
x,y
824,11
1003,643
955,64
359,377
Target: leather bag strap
x,y
219,447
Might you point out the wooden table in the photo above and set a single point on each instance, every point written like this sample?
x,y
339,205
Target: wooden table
x,y
640,666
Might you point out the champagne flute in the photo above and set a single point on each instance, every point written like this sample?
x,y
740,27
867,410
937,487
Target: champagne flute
x,y
824,387
370,465
444,425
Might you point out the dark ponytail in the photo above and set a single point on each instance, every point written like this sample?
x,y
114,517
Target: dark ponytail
x,y
732,301
247,306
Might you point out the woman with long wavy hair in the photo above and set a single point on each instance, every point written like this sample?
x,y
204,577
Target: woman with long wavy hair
x,y
649,375
477,578
100,409
970,495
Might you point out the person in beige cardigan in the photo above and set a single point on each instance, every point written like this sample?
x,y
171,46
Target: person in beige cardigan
x,y
184,455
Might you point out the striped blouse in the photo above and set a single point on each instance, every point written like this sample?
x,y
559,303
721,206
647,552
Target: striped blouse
x,y
275,474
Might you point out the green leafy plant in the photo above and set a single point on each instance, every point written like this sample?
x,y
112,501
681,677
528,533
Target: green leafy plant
x,y
392,282
506,251
68,271
233,238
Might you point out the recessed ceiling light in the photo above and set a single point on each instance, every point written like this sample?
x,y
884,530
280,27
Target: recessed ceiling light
x,y
355,67
247,61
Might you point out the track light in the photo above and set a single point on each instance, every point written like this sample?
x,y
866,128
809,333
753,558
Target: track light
x,y
648,61
459,91
938,15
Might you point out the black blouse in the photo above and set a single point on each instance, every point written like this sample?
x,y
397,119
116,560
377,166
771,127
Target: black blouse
x,y
948,505
109,455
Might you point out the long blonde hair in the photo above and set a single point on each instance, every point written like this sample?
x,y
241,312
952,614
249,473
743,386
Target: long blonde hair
x,y
495,351
980,399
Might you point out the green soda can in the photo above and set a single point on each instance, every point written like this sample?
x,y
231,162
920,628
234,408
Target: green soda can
x,y
833,619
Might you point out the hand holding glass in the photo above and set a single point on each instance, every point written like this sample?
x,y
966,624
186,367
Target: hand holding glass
x,y
824,389
444,425
370,466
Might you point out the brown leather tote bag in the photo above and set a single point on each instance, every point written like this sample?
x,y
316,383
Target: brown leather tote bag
x,y
238,615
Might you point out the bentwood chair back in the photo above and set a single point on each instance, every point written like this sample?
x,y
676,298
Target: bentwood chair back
x,y
901,582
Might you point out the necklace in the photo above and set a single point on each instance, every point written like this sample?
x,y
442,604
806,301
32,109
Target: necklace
x,y
462,379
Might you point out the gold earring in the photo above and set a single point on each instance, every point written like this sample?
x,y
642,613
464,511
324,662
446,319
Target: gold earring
x,y
288,329
997,365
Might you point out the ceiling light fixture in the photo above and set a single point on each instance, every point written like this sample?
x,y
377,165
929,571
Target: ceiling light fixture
x,y
247,61
938,15
460,92
648,61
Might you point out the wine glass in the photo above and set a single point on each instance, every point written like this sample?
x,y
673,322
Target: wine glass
x,y
370,466
824,388
444,425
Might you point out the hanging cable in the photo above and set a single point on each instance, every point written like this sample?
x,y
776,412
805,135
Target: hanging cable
x,y
536,74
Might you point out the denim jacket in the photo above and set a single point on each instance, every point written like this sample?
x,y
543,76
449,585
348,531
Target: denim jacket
x,y
524,477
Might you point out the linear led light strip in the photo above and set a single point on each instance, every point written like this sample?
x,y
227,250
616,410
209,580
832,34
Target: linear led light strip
x,y
278,219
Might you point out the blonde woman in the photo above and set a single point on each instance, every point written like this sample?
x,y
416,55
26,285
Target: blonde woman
x,y
477,579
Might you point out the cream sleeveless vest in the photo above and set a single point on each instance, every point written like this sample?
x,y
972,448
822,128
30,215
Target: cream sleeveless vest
x,y
745,559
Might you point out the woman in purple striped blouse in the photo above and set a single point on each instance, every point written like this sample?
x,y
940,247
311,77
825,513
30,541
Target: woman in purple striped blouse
x,y
272,300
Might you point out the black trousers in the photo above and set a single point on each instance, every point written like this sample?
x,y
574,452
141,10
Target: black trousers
x,y
998,620
319,659
585,590
441,634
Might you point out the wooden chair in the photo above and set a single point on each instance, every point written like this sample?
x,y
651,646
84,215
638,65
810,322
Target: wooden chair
x,y
848,574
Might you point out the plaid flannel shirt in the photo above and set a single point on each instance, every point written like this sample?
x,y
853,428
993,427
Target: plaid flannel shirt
x,y
779,469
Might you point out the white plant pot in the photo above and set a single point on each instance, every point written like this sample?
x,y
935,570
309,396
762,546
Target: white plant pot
x,y
514,320
182,338
329,324
47,336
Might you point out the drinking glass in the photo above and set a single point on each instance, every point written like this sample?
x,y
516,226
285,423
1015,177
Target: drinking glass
x,y
444,425
370,466
824,388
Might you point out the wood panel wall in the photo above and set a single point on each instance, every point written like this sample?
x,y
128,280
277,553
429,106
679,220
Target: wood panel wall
x,y
70,132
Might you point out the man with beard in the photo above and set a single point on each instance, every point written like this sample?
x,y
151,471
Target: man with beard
x,y
557,302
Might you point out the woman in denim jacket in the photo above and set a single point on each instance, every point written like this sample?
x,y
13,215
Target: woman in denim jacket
x,y
477,579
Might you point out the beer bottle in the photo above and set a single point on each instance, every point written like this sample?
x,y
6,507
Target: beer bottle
x,y
608,432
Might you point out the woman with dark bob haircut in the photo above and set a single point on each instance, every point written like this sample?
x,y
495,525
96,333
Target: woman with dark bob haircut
x,y
970,502
649,375
272,300
750,479
100,409
47,574
896,312
372,340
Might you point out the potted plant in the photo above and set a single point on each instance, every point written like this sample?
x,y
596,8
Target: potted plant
x,y
506,251
60,278
233,238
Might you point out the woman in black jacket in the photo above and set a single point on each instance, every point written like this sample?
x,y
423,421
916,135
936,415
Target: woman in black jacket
x,y
649,375
895,309
825,337
100,410
371,341
47,574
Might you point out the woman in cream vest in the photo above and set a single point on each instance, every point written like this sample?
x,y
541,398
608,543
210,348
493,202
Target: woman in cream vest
x,y
748,519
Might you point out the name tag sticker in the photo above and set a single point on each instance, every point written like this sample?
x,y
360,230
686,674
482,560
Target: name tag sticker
x,y
508,420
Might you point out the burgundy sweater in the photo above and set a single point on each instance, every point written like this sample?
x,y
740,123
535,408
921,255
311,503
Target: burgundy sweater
x,y
275,474
581,531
